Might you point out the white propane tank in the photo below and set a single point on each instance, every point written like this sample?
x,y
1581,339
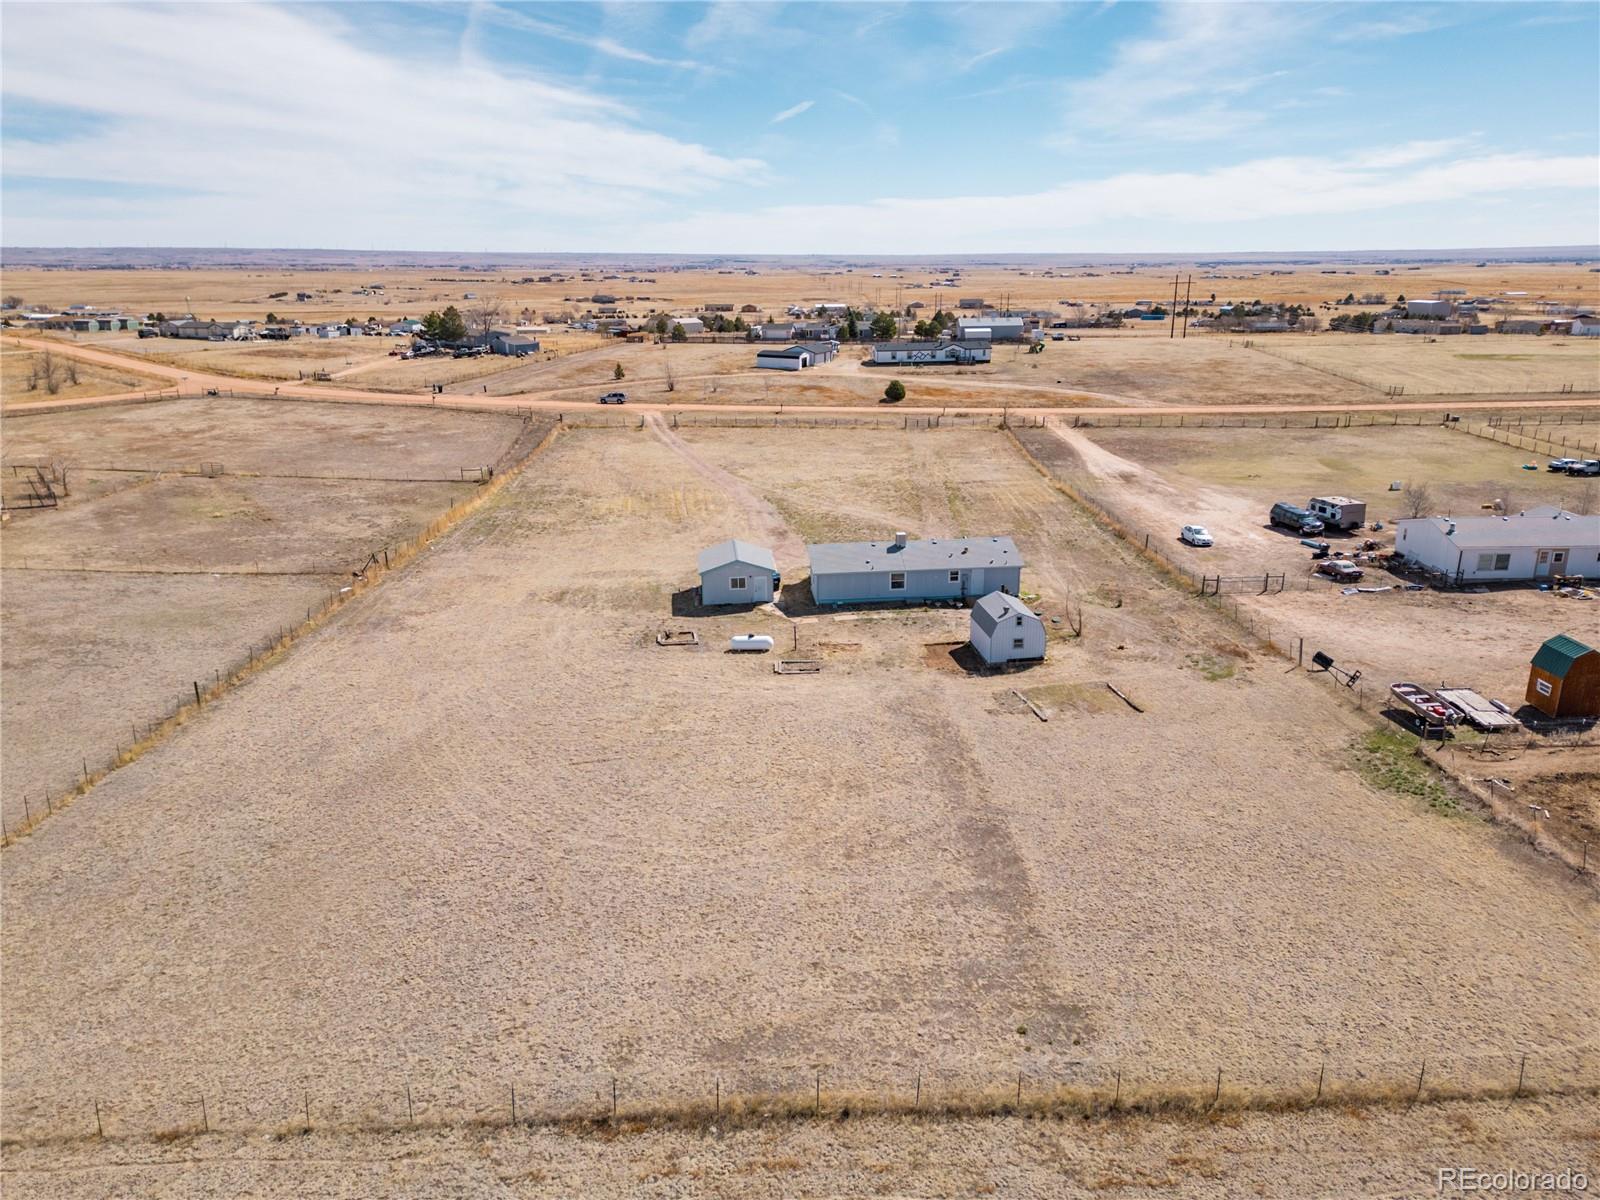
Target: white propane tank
x,y
750,641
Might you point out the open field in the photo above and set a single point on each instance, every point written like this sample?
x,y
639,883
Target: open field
x,y
267,438
481,828
771,286
23,378
1362,1154
1456,365
145,580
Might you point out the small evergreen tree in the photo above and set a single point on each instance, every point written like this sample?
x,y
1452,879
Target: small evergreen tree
x,y
895,392
618,372
678,334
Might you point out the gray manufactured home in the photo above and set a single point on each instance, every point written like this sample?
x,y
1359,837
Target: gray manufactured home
x,y
937,569
735,572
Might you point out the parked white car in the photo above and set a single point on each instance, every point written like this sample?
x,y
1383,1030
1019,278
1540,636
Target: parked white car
x,y
1195,535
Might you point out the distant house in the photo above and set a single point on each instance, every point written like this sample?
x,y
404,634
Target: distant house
x,y
737,572
971,302
1564,678
776,332
689,324
936,569
1531,545
406,325
1003,629
328,331
213,331
927,353
1585,325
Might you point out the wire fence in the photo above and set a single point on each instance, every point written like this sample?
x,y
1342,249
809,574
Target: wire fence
x,y
1553,445
1391,389
1282,637
533,1094
192,696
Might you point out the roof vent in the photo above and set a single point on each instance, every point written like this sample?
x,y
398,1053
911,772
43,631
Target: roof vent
x,y
900,540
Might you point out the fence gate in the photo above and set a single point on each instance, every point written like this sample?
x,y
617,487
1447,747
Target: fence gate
x,y
1261,585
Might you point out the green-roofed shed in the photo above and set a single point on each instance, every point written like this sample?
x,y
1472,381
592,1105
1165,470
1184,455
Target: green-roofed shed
x,y
1564,678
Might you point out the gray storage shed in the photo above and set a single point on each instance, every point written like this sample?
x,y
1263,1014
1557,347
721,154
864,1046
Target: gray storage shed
x,y
735,572
937,569
1003,629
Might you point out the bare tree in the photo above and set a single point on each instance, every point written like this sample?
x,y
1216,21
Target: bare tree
x,y
1584,503
1416,499
483,316
667,372
72,372
50,372
11,301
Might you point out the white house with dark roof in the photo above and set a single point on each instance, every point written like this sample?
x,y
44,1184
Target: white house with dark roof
x,y
936,569
1530,545
737,572
1003,629
929,353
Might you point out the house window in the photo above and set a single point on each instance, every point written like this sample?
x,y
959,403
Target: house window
x,y
738,583
897,581
955,576
1494,562
1019,622
1016,643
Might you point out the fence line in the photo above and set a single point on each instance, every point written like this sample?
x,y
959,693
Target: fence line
x,y
531,1096
39,806
1552,447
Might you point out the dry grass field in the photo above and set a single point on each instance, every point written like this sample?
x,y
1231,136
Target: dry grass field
x,y
24,378
146,580
1497,364
480,828
1333,1151
771,288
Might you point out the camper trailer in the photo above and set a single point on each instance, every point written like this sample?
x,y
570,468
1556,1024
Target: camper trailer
x,y
1339,512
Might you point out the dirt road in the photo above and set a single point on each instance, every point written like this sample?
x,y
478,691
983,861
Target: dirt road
x,y
568,396
768,525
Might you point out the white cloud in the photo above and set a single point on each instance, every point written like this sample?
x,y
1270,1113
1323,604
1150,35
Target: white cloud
x,y
1410,195
517,19
299,134
791,112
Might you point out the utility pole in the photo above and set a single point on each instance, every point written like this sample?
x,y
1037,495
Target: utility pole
x,y
1188,285
1172,324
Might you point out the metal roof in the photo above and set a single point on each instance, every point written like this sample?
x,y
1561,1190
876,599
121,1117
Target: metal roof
x,y
735,551
836,558
790,352
996,607
1544,526
1558,654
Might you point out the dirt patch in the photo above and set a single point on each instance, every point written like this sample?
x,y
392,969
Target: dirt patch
x,y
1573,799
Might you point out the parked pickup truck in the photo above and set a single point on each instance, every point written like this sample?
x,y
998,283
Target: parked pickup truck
x,y
1560,465
1584,467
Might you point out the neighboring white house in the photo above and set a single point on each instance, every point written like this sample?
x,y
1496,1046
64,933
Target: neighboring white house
x,y
1429,308
1534,544
328,331
689,324
735,572
1003,629
1586,325
408,325
917,354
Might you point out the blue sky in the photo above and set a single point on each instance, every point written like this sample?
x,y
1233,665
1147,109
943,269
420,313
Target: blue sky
x,y
748,127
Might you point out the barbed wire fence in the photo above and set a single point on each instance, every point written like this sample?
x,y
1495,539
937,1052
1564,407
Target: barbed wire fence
x,y
190,699
514,1094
